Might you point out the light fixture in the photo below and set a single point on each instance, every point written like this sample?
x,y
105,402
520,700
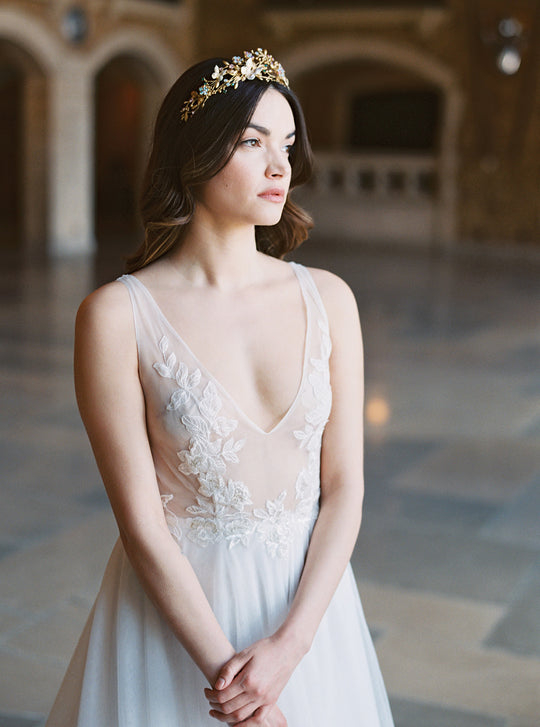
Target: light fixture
x,y
510,28
509,60
74,25
508,41
509,55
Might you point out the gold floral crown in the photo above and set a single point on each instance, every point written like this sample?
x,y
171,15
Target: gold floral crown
x,y
254,64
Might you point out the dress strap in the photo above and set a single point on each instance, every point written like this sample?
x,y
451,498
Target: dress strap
x,y
143,321
306,280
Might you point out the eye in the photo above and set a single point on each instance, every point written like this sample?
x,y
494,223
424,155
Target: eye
x,y
252,143
288,148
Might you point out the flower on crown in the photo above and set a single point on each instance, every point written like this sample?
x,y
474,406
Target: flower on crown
x,y
255,64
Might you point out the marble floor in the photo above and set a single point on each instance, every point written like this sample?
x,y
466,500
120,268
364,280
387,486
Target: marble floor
x,y
448,558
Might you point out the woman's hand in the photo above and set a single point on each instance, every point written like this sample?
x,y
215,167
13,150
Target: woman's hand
x,y
249,684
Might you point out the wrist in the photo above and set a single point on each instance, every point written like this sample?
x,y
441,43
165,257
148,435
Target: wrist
x,y
294,639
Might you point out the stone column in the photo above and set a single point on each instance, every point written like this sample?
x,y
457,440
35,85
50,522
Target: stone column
x,y
71,214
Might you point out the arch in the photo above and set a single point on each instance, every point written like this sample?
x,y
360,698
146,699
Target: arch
x,y
338,49
125,101
149,69
31,47
143,45
32,36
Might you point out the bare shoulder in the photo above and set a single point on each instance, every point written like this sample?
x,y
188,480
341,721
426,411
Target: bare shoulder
x,y
337,296
107,309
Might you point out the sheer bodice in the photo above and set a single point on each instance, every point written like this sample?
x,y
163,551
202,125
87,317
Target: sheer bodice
x,y
218,473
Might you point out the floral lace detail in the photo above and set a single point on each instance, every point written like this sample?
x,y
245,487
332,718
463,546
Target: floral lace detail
x,y
221,512
277,526
220,505
172,520
310,437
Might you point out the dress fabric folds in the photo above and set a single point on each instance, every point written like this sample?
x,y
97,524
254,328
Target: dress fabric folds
x,y
241,503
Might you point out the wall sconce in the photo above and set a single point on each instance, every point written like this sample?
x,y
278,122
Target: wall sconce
x,y
74,25
510,43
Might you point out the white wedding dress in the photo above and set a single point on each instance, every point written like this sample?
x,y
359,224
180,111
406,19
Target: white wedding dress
x,y
241,503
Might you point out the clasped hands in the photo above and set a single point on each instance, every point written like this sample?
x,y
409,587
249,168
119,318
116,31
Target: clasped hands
x,y
248,685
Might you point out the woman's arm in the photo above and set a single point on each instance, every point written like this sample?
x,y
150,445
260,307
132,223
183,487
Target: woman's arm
x,y
257,675
112,407
342,468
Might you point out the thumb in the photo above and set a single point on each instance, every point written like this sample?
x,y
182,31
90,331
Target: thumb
x,y
229,671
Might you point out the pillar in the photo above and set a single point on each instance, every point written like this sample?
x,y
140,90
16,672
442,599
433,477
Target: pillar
x,y
71,214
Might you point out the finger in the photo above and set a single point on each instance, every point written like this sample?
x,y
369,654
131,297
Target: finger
x,y
233,689
257,719
234,716
230,670
233,705
222,696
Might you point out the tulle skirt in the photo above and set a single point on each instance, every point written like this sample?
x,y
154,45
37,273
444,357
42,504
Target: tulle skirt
x,y
129,670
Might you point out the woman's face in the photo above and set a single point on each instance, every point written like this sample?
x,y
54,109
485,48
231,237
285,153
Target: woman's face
x,y
252,188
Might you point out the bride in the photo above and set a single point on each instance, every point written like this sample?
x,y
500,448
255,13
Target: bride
x,y
222,390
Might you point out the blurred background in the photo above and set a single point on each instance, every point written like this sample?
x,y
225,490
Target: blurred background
x,y
425,121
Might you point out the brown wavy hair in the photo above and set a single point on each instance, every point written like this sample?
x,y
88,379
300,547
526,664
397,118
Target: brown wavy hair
x,y
186,154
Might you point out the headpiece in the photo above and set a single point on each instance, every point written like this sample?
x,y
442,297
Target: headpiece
x,y
254,64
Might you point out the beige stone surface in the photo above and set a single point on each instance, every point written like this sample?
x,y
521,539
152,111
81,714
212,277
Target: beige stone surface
x,y
426,615
461,676
419,664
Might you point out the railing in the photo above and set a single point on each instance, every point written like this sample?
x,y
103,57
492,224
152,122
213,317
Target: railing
x,y
383,176
375,197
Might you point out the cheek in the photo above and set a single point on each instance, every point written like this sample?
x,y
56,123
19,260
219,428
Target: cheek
x,y
235,180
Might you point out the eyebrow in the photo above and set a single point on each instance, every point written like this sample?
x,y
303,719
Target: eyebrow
x,y
266,132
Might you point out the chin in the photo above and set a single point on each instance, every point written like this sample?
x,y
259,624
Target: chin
x,y
269,220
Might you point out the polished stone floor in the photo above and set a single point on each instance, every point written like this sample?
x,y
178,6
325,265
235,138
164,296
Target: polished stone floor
x,y
448,557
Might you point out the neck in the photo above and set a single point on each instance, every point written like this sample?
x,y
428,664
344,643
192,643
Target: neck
x,y
213,255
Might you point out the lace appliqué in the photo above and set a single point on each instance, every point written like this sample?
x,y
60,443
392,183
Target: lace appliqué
x,y
277,526
221,512
310,437
172,520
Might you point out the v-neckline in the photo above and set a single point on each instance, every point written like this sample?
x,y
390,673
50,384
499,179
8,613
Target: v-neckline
x,y
211,377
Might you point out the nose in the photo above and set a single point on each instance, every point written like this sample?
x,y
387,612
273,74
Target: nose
x,y
278,165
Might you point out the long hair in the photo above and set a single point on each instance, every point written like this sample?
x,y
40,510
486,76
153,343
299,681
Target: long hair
x,y
186,154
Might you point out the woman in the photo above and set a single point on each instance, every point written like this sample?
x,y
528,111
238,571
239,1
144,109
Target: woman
x,y
233,469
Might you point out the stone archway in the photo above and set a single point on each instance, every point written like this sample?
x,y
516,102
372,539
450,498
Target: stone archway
x,y
332,51
125,101
28,57
130,72
142,45
59,83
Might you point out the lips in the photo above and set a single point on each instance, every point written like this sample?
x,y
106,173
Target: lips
x,y
273,195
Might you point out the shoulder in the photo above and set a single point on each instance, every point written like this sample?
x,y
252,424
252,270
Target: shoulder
x,y
336,294
107,309
343,322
